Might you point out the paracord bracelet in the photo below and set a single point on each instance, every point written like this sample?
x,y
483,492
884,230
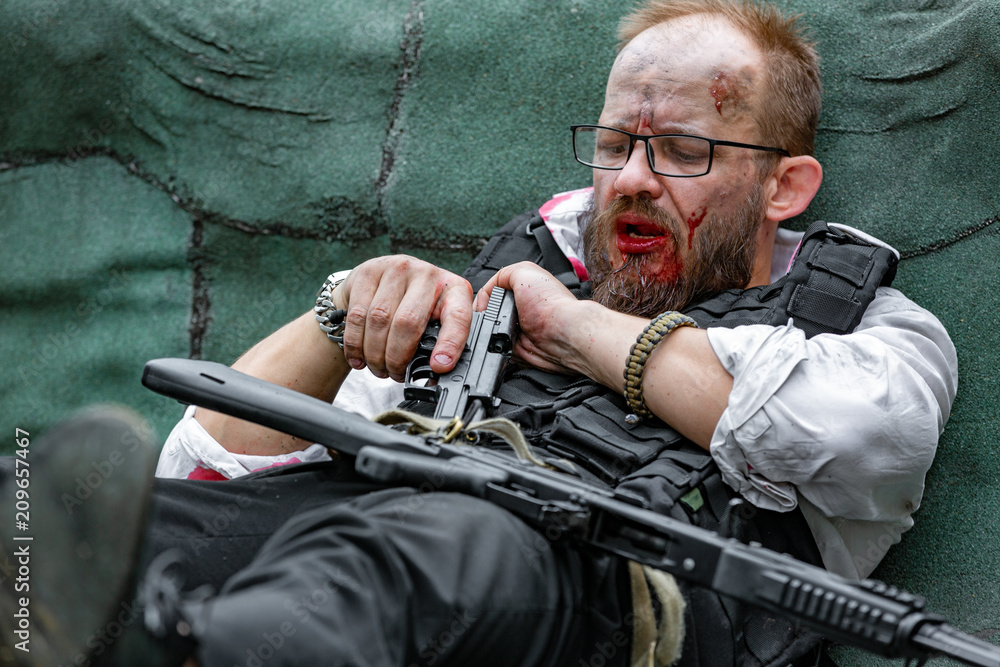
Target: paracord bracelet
x,y
654,332
331,319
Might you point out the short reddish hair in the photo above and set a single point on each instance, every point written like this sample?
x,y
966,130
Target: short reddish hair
x,y
790,113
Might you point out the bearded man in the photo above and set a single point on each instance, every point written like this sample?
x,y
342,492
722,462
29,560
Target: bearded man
x,y
821,412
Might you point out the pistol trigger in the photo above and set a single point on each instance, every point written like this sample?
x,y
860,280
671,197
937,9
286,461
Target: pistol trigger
x,y
421,381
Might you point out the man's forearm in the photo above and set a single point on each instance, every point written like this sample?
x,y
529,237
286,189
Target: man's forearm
x,y
298,356
684,383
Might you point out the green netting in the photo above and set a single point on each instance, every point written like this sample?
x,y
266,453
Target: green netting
x,y
95,277
194,169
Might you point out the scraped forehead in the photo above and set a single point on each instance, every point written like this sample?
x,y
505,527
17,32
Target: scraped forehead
x,y
690,65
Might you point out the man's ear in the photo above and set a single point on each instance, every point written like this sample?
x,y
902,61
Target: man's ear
x,y
791,186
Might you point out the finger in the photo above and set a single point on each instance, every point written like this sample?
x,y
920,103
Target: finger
x,y
359,290
504,278
483,295
391,300
455,315
405,301
409,323
379,317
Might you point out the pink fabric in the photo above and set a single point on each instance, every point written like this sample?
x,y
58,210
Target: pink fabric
x,y
207,474
794,254
561,216
546,210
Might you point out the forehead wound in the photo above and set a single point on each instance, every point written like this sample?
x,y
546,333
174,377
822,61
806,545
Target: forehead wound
x,y
731,91
717,65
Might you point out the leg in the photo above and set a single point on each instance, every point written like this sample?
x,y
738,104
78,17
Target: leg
x,y
400,578
75,499
218,527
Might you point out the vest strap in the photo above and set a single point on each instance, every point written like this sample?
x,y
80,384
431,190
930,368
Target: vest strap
x,y
833,278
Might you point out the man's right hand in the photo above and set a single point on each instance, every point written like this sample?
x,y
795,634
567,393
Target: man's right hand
x,y
390,301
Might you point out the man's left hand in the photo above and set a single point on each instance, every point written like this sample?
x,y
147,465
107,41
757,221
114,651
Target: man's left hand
x,y
684,383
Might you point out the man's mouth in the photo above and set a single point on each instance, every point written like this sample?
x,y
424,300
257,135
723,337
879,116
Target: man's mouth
x,y
638,235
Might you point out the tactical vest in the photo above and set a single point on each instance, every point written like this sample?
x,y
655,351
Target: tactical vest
x,y
830,284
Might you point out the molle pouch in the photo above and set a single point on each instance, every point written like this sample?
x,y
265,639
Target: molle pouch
x,y
595,436
682,482
831,282
531,398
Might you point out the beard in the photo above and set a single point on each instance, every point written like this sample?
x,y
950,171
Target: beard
x,y
721,257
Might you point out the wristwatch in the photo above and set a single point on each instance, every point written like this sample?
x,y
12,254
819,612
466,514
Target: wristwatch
x,y
331,319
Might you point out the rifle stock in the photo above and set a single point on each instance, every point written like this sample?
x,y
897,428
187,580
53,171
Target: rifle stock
x,y
867,614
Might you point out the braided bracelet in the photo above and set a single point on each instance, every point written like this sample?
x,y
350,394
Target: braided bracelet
x,y
654,332
331,319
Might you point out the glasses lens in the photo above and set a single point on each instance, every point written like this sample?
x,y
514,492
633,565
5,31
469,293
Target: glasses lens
x,y
600,147
681,156
672,155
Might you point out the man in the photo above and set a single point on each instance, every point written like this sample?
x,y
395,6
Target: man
x,y
703,148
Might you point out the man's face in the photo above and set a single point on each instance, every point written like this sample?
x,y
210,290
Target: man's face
x,y
654,242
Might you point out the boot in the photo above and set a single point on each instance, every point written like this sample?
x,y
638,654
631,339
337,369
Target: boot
x,y
67,561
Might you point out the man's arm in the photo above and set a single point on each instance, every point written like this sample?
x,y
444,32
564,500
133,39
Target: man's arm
x,y
684,382
389,301
849,423
298,356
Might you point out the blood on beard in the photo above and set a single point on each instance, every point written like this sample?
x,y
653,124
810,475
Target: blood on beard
x,y
721,257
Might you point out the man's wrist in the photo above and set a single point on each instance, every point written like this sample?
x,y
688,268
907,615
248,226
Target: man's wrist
x,y
330,316
601,341
658,329
336,294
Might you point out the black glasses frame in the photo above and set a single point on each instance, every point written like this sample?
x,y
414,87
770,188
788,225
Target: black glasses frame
x,y
712,143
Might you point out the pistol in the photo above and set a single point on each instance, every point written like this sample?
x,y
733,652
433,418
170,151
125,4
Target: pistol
x,y
467,392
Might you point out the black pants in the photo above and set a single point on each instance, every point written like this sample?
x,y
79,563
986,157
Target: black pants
x,y
315,566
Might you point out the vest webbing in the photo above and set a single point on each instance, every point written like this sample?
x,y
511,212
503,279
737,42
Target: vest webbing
x,y
827,289
525,238
830,284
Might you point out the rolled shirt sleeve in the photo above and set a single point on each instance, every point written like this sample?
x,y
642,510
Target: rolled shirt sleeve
x,y
849,424
190,452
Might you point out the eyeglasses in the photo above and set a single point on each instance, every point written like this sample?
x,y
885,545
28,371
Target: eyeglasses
x,y
675,155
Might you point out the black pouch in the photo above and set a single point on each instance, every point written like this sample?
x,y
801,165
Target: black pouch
x,y
595,436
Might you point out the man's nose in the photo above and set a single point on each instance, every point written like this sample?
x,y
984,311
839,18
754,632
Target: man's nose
x,y
636,177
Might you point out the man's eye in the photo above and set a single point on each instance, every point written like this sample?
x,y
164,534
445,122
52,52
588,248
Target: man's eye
x,y
612,148
682,156
691,152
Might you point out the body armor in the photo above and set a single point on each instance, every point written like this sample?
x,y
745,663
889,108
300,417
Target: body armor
x,y
579,425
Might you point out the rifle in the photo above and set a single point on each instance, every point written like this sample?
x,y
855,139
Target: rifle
x,y
867,614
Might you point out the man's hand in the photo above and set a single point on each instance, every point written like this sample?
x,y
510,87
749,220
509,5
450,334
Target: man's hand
x,y
556,328
684,383
389,302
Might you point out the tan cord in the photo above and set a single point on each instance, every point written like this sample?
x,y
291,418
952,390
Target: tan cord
x,y
654,332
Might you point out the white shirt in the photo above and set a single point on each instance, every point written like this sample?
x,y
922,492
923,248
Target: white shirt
x,y
844,427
